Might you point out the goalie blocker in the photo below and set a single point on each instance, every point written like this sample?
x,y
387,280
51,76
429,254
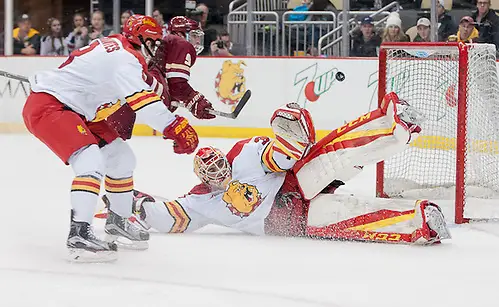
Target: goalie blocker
x,y
337,158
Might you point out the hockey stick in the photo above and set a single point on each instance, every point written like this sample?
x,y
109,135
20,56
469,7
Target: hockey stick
x,y
232,115
13,76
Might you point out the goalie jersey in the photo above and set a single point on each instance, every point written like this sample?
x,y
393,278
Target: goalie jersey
x,y
258,173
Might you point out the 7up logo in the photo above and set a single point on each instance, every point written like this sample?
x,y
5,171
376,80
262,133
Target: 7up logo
x,y
312,85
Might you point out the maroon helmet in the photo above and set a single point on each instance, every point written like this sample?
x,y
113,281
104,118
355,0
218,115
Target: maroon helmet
x,y
188,28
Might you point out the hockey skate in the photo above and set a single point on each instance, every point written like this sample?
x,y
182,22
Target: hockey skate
x,y
124,233
434,225
436,222
84,246
411,117
139,214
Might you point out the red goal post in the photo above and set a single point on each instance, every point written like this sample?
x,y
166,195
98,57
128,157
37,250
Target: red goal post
x,y
456,157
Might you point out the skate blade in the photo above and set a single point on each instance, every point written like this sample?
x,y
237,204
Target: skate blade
x,y
124,243
78,255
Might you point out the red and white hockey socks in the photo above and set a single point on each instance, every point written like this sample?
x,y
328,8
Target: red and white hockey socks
x,y
84,195
87,163
120,195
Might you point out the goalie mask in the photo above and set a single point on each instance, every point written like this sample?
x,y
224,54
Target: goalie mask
x,y
294,130
212,167
189,29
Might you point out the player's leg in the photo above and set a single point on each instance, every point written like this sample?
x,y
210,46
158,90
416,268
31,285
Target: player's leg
x,y
67,135
288,215
371,138
120,163
379,220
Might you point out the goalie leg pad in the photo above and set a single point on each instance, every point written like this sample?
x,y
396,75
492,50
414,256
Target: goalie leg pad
x,y
349,218
382,136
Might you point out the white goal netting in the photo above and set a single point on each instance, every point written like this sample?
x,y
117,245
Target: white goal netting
x,y
428,78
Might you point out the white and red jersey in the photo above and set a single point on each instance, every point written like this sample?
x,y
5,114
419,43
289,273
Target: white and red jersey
x,y
258,173
98,79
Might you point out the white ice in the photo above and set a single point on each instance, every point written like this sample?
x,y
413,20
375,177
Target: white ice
x,y
218,267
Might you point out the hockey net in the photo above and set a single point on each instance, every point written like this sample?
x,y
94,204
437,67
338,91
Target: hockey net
x,y
456,157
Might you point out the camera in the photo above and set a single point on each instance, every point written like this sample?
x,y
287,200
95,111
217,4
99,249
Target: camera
x,y
191,11
220,45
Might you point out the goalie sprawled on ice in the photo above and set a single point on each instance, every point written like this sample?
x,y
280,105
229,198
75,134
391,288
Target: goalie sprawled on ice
x,y
284,186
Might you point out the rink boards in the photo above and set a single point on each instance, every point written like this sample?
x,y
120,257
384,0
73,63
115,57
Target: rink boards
x,y
334,90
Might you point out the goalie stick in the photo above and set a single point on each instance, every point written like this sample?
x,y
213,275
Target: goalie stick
x,y
232,115
13,76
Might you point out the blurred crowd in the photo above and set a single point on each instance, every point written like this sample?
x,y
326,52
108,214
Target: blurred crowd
x,y
54,42
480,25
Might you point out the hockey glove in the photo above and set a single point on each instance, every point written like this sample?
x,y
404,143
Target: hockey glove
x,y
185,138
198,105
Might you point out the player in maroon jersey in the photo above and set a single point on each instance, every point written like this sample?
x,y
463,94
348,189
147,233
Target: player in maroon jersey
x,y
169,72
174,59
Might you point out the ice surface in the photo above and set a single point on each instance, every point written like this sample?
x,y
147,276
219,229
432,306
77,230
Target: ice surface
x,y
218,267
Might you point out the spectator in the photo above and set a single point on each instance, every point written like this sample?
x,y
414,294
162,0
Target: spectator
x,y
26,39
487,22
98,28
233,50
423,27
156,14
313,51
124,17
322,6
446,25
467,32
79,36
210,34
366,42
218,48
393,30
53,44
2,38
305,5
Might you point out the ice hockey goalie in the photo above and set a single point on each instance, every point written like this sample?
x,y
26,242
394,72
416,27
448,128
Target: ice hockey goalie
x,y
285,186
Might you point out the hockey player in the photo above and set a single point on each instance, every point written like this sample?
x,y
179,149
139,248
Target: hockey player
x,y
301,208
238,190
174,59
169,73
67,110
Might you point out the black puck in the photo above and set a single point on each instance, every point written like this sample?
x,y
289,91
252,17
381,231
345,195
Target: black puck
x,y
340,76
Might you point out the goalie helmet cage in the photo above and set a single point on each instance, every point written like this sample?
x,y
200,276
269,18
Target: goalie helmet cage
x,y
456,157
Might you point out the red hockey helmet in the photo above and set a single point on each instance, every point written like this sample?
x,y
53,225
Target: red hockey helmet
x,y
188,28
139,28
212,167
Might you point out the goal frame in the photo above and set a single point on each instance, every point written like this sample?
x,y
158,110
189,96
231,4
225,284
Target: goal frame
x,y
461,116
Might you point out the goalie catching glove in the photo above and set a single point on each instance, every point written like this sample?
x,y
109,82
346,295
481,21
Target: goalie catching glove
x,y
294,130
185,138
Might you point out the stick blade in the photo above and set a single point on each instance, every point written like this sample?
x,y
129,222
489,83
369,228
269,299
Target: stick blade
x,y
241,104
